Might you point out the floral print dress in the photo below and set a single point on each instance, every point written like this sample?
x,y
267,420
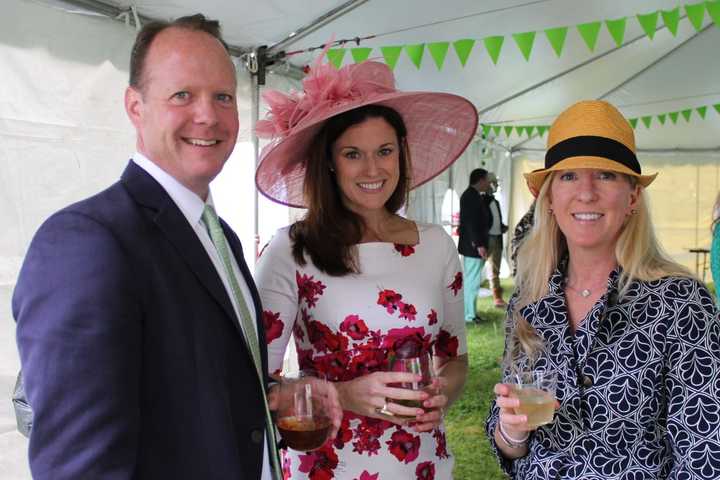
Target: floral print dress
x,y
347,326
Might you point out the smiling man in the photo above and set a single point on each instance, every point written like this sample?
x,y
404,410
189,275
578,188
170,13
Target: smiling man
x,y
138,324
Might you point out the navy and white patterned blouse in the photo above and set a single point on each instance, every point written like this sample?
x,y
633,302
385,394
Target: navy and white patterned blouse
x,y
639,386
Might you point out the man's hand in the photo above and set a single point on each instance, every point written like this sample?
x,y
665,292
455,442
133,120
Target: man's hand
x,y
482,251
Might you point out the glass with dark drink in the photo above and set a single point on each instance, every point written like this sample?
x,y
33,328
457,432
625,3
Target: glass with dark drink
x,y
302,416
421,364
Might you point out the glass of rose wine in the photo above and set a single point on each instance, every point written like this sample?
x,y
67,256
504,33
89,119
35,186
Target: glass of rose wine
x,y
420,365
302,415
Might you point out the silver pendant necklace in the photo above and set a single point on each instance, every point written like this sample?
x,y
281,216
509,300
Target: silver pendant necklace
x,y
585,292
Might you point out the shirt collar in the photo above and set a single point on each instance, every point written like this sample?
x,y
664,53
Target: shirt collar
x,y
189,203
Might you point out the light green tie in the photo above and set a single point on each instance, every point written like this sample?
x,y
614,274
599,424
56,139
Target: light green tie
x,y
221,245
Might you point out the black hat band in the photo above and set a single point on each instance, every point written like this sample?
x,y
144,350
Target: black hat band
x,y
592,146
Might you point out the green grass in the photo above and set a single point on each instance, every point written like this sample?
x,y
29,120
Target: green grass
x,y
465,422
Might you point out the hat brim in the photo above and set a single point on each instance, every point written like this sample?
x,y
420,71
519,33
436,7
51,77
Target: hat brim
x,y
439,128
536,178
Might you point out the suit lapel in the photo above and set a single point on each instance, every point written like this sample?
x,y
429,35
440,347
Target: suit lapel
x,y
173,224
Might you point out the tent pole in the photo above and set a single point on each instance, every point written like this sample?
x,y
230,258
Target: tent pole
x,y
254,115
319,22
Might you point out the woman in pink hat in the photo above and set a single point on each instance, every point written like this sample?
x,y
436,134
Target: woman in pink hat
x,y
354,282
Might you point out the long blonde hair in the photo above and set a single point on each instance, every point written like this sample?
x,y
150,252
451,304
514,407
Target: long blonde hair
x,y
637,252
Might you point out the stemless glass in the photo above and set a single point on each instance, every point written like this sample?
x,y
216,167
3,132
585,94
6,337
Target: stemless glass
x,y
419,365
303,412
536,391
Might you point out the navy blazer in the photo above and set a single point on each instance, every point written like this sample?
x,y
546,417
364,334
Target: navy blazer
x,y
475,221
134,361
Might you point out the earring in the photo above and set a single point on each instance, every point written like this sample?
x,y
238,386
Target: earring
x,y
550,211
633,211
330,167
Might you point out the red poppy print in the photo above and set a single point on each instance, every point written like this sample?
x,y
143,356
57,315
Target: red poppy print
x,y
432,317
308,289
299,332
354,327
404,446
407,311
425,471
390,300
319,464
305,358
365,475
446,345
273,325
441,447
367,361
324,340
456,284
405,250
344,434
368,433
333,365
407,342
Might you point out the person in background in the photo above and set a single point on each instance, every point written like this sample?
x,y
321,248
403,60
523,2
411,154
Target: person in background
x,y
715,248
353,282
633,337
138,324
495,240
522,229
475,218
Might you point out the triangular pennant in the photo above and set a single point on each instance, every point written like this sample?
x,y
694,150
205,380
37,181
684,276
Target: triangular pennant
x,y
496,130
713,9
360,54
529,130
661,118
493,45
686,113
695,13
486,130
438,51
520,131
673,117
463,48
391,55
556,37
525,42
717,108
646,120
508,130
671,19
633,122
617,29
648,22
335,56
589,33
701,111
542,129
415,52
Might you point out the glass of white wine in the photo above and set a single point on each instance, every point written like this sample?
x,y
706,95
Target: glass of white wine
x,y
536,391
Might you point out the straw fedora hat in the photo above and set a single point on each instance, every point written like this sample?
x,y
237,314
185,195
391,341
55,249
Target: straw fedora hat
x,y
439,125
590,134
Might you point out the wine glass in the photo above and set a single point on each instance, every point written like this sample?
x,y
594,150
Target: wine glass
x,y
419,365
303,412
535,389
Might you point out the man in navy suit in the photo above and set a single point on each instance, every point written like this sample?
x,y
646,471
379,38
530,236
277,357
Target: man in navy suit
x,y
128,325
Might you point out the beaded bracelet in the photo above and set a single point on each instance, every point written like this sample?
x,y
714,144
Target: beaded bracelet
x,y
512,442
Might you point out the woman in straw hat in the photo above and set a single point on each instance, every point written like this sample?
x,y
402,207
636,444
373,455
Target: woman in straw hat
x,y
633,338
355,283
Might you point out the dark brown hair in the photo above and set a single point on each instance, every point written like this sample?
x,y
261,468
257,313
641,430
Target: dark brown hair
x,y
147,34
330,231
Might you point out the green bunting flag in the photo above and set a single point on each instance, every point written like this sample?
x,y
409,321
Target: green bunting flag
x,y
415,52
391,55
493,45
713,9
438,51
463,48
717,108
673,117
496,129
360,54
525,42
589,32
671,18
542,129
508,130
686,113
695,14
529,130
617,29
520,131
556,37
646,120
648,22
335,56
661,118
486,130
633,122
701,111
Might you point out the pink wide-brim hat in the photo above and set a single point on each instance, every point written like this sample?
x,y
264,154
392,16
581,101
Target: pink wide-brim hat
x,y
439,125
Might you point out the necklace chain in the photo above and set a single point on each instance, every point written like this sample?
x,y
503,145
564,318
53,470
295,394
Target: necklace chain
x,y
585,292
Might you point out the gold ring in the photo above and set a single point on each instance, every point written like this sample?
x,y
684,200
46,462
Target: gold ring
x,y
384,410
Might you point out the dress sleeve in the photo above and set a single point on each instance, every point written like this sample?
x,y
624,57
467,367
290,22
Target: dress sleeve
x,y
452,338
692,382
275,280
